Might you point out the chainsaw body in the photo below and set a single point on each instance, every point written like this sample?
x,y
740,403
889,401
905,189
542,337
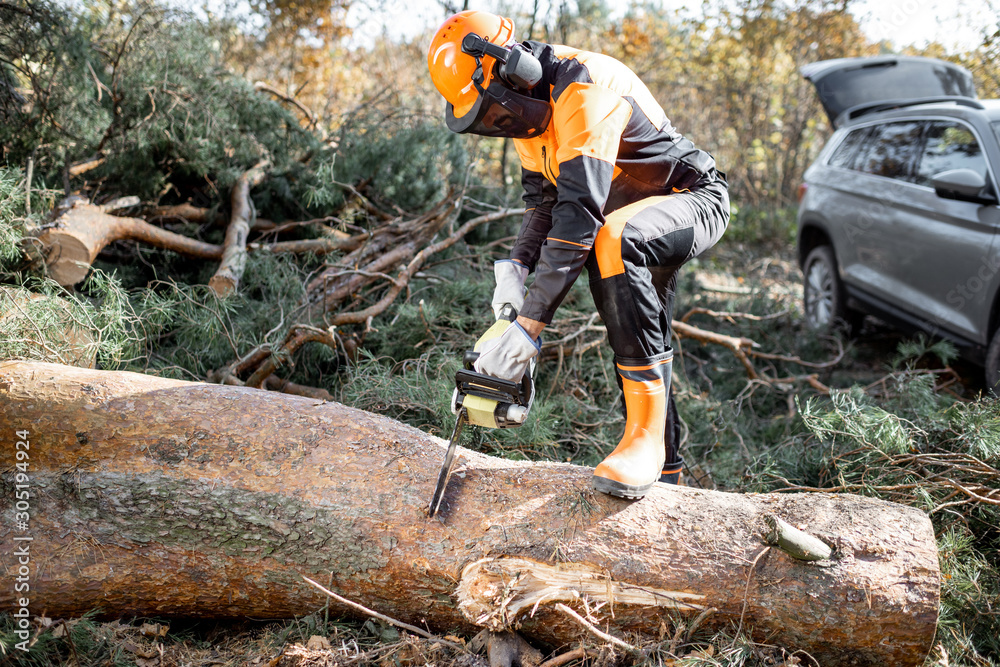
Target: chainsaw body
x,y
490,401
484,400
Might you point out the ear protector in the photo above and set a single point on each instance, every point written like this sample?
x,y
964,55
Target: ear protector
x,y
518,66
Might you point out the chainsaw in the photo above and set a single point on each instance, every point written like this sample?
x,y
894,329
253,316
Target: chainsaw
x,y
484,400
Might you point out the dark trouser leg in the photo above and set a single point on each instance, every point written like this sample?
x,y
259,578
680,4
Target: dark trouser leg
x,y
633,277
665,284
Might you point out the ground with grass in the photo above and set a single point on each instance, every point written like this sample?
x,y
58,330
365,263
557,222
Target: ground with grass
x,y
882,414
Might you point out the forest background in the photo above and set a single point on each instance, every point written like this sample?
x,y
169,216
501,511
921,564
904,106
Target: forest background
x,y
106,99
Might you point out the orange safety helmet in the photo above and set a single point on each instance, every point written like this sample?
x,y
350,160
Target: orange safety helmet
x,y
477,67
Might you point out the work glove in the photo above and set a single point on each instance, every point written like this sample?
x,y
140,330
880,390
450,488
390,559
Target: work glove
x,y
510,277
507,355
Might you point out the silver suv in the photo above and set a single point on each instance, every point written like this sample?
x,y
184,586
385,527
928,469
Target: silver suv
x,y
898,216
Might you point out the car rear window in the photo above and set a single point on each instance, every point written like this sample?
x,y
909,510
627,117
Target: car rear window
x,y
950,145
844,154
891,151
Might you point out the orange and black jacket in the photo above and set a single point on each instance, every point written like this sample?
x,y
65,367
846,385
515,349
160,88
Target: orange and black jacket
x,y
608,143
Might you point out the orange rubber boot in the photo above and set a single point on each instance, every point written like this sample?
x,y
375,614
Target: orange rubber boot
x,y
636,463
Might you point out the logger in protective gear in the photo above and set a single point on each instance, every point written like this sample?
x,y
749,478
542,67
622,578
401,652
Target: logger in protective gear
x,y
609,185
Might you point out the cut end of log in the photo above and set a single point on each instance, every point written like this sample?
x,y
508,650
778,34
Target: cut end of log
x,y
493,592
223,285
70,258
84,230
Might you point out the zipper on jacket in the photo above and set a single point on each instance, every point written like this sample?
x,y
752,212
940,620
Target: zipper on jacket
x,y
546,172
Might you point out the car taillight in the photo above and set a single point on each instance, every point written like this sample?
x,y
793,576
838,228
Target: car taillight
x,y
802,191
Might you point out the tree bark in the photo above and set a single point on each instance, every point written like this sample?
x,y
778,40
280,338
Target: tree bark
x,y
152,496
234,256
84,230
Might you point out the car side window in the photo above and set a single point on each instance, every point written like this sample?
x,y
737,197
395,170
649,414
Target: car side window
x,y
844,154
950,145
891,151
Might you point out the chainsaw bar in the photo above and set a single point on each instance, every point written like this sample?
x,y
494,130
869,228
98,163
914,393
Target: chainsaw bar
x,y
449,461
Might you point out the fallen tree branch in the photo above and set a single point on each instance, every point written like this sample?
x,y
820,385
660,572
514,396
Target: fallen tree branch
x,y
120,203
185,211
696,623
594,631
382,617
324,221
811,379
297,336
388,246
251,359
199,215
294,101
414,265
742,348
570,656
365,202
234,256
87,165
83,230
321,246
738,346
274,383
727,315
797,360
794,542
28,174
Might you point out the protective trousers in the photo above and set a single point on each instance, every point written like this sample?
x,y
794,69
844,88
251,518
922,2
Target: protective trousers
x,y
633,276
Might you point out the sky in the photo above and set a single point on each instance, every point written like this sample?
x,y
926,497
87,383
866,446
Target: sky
x,y
957,24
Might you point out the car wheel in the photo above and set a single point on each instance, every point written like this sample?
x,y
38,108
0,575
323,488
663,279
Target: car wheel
x,y
993,366
823,296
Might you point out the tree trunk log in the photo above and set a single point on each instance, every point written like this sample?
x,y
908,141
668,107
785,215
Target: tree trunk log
x,y
234,256
84,230
152,496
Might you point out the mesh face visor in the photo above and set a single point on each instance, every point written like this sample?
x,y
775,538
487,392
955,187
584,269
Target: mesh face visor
x,y
500,112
